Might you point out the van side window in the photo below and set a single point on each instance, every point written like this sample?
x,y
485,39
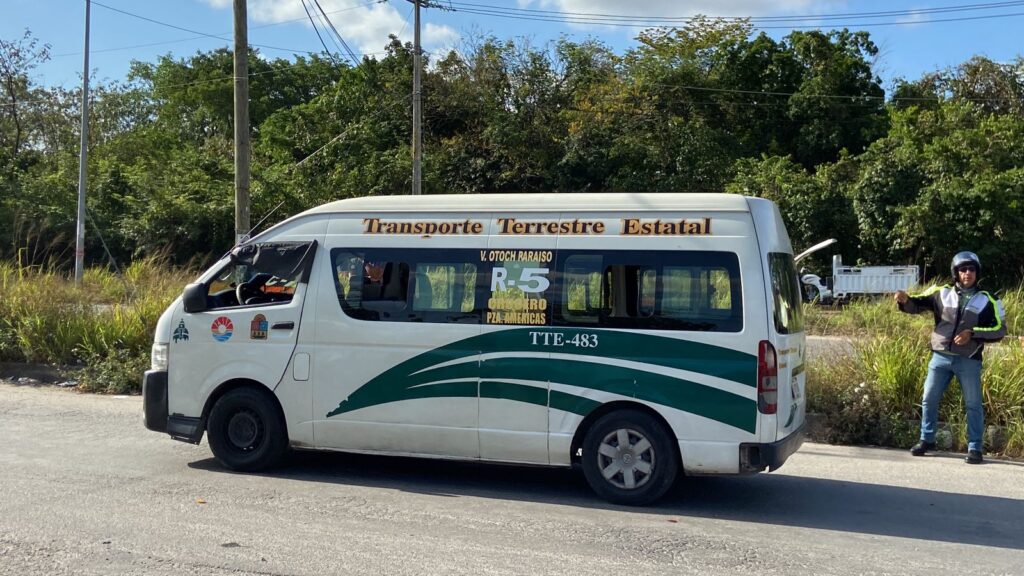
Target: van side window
x,y
406,285
582,289
662,291
261,274
444,287
669,290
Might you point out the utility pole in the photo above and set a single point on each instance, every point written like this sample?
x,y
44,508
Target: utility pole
x,y
83,154
241,121
417,134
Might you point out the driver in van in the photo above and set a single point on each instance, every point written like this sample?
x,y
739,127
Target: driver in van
x,y
965,319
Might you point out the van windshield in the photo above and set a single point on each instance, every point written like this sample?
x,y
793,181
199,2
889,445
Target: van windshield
x,y
788,309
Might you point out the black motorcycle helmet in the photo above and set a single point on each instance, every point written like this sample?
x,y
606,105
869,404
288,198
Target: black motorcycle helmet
x,y
962,258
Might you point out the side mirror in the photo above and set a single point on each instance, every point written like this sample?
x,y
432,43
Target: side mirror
x,y
194,297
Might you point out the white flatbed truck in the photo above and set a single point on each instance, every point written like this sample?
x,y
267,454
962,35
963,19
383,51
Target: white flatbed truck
x,y
849,281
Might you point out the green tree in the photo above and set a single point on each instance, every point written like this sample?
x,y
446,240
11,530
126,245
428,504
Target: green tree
x,y
17,60
812,208
993,86
839,102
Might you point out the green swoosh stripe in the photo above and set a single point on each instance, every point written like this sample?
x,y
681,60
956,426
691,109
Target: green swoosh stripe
x,y
572,403
533,395
644,348
512,391
677,393
414,378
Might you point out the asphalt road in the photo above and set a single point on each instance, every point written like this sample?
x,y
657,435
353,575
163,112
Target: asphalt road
x,y
85,489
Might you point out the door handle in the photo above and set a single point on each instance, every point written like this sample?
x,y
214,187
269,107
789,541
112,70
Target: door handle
x,y
283,326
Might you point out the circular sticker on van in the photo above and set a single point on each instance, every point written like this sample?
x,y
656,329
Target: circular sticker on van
x,y
222,328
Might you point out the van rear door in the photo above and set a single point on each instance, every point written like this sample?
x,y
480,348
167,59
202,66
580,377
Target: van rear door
x,y
789,342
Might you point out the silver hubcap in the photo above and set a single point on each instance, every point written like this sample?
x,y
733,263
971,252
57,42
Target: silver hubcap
x,y
626,459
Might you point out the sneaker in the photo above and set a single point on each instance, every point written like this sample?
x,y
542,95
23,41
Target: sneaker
x,y
973,457
922,447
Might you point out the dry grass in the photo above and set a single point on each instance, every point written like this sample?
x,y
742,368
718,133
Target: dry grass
x,y
46,318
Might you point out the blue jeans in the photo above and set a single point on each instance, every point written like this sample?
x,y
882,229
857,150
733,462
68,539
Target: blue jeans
x,y
941,370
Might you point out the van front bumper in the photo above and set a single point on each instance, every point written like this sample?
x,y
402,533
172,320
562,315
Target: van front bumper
x,y
154,410
757,457
154,400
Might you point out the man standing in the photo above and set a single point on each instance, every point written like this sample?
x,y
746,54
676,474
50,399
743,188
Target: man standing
x,y
965,319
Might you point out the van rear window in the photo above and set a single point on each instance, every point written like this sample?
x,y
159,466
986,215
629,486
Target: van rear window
x,y
787,307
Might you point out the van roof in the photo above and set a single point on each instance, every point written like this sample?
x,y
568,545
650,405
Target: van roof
x,y
590,202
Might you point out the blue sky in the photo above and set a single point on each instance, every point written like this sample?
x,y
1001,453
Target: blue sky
x,y
919,45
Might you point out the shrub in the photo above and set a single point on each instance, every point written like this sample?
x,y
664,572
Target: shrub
x,y
117,372
873,396
853,410
45,317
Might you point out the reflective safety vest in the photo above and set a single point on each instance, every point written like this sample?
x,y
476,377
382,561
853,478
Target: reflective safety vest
x,y
982,313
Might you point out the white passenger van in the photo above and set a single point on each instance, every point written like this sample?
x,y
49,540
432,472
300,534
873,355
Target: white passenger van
x,y
638,336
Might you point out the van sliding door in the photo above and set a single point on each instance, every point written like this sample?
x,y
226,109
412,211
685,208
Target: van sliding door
x,y
513,359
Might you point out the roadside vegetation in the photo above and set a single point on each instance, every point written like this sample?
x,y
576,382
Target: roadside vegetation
x,y
873,394
100,331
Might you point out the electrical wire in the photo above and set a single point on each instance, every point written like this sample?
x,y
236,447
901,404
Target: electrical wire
x,y
405,24
324,25
317,30
189,39
656,23
179,85
349,51
189,30
852,98
689,19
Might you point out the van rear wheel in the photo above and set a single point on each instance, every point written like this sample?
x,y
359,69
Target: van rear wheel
x,y
628,458
246,431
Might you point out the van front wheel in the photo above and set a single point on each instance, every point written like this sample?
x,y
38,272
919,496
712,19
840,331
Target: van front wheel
x,y
246,431
628,458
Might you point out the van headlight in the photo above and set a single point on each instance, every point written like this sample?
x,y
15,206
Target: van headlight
x,y
158,357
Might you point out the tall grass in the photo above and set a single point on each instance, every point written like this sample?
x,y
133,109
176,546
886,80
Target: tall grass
x,y
873,395
46,318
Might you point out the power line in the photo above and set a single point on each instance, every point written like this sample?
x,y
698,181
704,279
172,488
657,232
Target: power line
x,y
133,46
349,51
851,97
405,24
189,39
688,19
315,29
568,17
185,84
325,24
189,30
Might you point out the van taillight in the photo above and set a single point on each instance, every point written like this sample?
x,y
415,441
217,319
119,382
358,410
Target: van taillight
x,y
767,378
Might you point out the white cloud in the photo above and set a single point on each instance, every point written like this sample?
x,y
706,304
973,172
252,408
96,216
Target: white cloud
x,y
439,40
364,27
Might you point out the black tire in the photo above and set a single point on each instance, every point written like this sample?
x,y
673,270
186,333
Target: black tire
x,y
811,293
641,470
246,431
